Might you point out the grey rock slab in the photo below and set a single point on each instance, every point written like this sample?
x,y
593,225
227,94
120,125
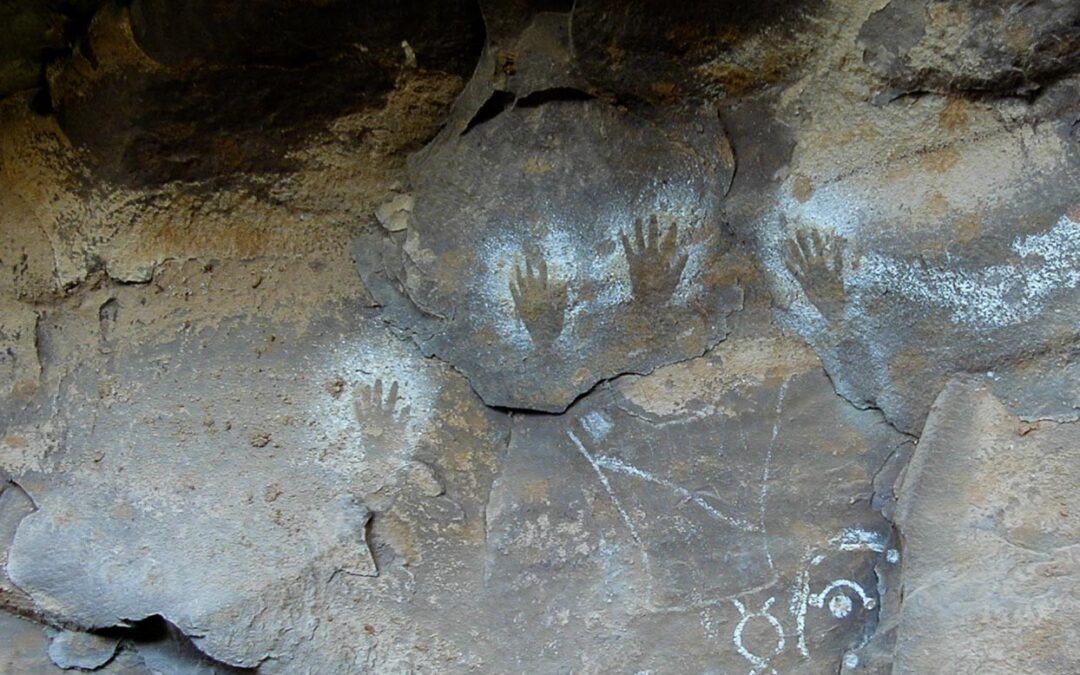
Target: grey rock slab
x,y
24,649
987,511
967,260
15,505
560,244
74,649
227,481
712,516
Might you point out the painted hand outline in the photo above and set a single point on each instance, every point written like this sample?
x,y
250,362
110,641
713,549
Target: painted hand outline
x,y
655,264
379,417
540,301
816,260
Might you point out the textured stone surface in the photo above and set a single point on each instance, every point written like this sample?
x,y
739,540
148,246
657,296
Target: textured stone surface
x,y
26,649
539,336
202,502
989,579
697,519
72,649
893,310
973,45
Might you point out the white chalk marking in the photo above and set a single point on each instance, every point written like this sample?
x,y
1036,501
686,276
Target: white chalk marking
x,y
857,539
799,601
840,605
619,466
611,494
597,424
759,663
818,600
764,496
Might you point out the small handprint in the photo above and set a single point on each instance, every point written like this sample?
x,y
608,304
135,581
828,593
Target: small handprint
x,y
817,261
540,301
655,265
379,417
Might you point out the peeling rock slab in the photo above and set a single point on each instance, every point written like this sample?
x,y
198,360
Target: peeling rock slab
x,y
24,648
988,515
559,244
713,516
73,649
234,473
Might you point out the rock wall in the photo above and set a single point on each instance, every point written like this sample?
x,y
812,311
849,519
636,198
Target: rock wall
x,y
539,336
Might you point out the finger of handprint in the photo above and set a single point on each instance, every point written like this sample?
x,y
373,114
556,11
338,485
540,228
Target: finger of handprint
x,y
821,242
519,272
805,247
796,259
639,236
560,293
515,293
542,265
528,267
364,395
392,397
653,238
670,240
626,246
403,416
378,392
677,270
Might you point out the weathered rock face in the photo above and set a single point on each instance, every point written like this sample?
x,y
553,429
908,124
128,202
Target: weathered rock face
x,y
659,513
973,45
539,336
893,311
983,579
542,266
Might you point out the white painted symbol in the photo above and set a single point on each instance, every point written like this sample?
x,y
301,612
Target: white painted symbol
x,y
857,539
759,663
840,605
892,556
839,594
842,608
597,424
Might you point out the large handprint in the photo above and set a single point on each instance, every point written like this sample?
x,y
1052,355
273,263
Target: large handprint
x,y
655,264
817,262
540,301
380,418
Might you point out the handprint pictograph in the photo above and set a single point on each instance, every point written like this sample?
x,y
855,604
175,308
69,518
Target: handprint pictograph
x,y
378,416
540,301
817,262
655,264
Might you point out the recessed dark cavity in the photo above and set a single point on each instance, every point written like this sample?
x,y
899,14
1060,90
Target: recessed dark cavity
x,y
515,336
209,90
496,104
